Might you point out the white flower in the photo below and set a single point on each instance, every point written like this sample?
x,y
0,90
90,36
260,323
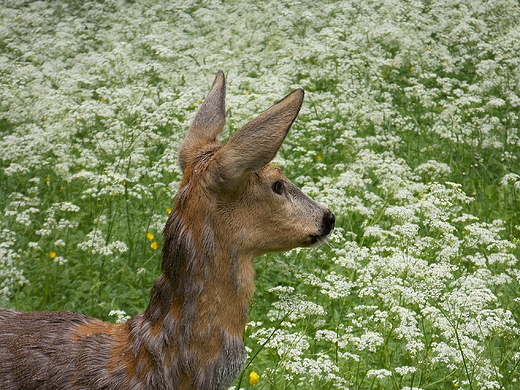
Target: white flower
x,y
379,374
96,244
122,317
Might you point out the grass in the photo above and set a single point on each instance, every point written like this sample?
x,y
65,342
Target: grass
x,y
409,133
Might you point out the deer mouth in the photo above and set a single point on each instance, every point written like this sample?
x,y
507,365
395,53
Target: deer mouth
x,y
327,226
317,240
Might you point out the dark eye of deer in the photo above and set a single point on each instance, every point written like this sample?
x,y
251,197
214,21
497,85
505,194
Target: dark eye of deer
x,y
278,186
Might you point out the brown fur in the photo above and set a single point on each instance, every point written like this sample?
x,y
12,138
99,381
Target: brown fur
x,y
231,206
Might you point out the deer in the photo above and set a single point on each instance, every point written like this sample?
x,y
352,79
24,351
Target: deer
x,y
232,205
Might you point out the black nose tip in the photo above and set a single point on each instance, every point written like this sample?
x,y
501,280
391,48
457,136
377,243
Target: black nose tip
x,y
328,222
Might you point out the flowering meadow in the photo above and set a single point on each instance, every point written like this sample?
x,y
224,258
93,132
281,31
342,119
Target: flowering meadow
x,y
409,133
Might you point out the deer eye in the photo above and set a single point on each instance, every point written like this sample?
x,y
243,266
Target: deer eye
x,y
278,186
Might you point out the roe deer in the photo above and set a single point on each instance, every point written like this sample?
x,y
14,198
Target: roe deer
x,y
232,205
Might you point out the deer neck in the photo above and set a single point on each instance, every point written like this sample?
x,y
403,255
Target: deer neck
x,y
198,307
205,278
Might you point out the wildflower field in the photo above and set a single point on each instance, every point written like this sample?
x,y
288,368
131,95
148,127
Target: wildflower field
x,y
409,133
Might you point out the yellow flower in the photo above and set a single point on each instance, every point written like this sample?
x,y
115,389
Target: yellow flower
x,y
52,255
168,210
318,157
154,245
253,378
150,236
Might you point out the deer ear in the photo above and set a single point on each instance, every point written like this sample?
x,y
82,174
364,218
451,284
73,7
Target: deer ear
x,y
208,123
256,144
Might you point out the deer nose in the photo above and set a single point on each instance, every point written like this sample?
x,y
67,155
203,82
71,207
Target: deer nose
x,y
328,222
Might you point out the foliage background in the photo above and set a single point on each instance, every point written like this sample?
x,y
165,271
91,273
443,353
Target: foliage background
x,y
409,133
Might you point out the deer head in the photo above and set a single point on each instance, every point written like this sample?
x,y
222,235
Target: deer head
x,y
247,199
